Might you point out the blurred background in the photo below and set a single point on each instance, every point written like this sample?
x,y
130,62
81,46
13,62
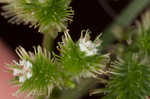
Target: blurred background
x,y
95,15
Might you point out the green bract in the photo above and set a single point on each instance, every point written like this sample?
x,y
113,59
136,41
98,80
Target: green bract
x,y
143,40
45,74
130,79
81,59
49,15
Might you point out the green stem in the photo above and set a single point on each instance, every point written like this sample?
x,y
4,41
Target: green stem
x,y
80,90
48,42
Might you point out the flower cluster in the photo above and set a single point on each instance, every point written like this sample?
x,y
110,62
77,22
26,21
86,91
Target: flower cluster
x,y
49,15
81,59
38,72
23,70
87,46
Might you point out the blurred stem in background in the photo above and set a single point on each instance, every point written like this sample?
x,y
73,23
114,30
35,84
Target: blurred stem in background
x,y
107,8
125,18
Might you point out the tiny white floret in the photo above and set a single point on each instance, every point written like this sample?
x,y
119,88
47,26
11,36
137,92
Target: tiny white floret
x,y
88,47
22,78
23,71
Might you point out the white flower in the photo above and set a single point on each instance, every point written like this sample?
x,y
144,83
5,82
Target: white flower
x,y
88,47
29,75
16,72
22,78
23,71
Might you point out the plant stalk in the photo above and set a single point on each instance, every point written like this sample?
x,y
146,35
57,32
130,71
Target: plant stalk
x,y
48,41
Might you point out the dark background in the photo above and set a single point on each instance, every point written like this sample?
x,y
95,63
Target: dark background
x,y
95,15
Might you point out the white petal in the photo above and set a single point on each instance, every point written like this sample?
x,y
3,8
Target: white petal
x,y
83,47
22,62
88,47
16,72
28,65
89,53
88,44
29,75
22,78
